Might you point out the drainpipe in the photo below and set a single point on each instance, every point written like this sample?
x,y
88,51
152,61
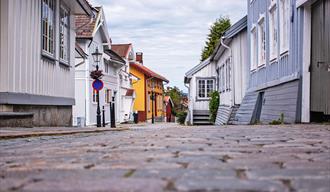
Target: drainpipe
x,y
232,68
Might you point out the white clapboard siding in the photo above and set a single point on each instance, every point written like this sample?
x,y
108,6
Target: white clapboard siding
x,y
207,72
23,70
239,77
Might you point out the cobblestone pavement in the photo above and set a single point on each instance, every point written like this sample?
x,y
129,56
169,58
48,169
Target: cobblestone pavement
x,y
172,158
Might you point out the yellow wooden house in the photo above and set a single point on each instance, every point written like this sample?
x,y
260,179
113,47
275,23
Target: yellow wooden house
x,y
149,83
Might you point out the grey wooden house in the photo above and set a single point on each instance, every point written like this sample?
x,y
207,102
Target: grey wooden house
x,y
289,62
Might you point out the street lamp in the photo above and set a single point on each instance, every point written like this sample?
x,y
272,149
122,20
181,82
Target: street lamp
x,y
112,111
152,102
97,75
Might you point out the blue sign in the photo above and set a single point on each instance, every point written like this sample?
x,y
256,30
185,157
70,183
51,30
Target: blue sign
x,y
97,84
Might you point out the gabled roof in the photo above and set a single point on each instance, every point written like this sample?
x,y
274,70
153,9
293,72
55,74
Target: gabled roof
x,y
168,99
197,68
114,56
234,30
122,49
87,30
143,69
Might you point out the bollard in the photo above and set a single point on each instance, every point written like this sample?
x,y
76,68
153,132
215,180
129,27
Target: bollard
x,y
103,115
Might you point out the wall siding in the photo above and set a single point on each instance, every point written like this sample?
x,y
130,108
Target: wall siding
x,y
286,64
23,69
207,71
280,99
278,79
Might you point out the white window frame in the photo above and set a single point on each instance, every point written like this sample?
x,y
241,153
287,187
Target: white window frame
x,y
48,27
254,48
206,90
64,30
273,31
107,96
261,41
284,23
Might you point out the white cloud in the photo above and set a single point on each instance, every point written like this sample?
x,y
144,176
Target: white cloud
x,y
170,33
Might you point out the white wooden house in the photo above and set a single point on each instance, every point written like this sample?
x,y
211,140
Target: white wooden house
x,y
230,58
224,71
200,80
37,42
126,92
94,36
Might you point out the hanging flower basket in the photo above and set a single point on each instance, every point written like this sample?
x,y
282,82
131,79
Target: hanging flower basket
x,y
96,74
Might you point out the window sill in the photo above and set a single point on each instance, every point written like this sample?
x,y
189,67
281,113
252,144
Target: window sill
x,y
273,60
48,57
284,52
261,66
65,64
253,70
203,99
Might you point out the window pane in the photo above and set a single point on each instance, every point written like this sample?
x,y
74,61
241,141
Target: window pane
x,y
201,88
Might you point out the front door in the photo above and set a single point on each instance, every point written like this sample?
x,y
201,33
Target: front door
x,y
320,61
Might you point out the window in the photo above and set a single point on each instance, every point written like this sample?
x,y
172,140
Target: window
x,y
64,34
94,96
284,10
107,95
106,66
254,53
48,27
273,30
261,42
228,74
222,77
205,87
148,101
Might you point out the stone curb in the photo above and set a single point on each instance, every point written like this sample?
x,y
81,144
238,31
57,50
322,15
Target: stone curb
x,y
54,133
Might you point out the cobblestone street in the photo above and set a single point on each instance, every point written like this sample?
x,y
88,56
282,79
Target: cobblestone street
x,y
168,157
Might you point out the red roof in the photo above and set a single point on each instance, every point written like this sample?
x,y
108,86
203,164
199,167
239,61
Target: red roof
x,y
87,30
168,99
147,71
129,92
121,49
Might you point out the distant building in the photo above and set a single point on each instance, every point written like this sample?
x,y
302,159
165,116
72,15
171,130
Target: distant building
x,y
94,35
169,105
37,56
148,82
126,93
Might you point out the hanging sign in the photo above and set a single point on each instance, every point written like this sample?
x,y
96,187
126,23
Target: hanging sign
x,y
97,84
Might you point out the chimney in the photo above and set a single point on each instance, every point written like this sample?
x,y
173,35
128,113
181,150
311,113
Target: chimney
x,y
139,57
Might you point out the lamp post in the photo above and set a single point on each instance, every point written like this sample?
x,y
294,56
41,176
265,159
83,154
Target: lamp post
x,y
112,111
152,102
97,75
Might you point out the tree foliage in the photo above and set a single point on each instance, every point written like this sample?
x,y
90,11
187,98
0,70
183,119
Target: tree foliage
x,y
217,29
176,95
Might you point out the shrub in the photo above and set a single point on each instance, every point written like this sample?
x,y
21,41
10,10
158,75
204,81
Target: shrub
x,y
213,105
181,117
278,121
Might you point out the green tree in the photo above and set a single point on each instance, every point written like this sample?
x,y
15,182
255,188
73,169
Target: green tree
x,y
176,95
217,29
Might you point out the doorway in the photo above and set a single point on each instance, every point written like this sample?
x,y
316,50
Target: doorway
x,y
320,62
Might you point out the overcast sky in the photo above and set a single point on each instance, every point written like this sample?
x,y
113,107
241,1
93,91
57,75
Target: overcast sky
x,y
170,33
